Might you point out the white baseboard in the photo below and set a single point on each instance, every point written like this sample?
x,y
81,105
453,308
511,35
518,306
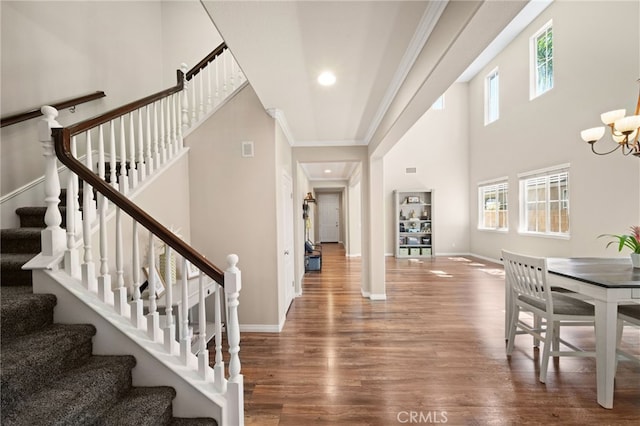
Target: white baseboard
x,y
260,328
378,296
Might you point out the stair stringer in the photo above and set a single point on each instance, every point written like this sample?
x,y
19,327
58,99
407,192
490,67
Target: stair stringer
x,y
116,335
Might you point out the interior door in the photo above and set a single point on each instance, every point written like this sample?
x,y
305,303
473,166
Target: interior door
x,y
288,263
329,217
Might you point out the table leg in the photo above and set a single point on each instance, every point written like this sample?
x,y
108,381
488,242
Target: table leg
x,y
606,321
507,308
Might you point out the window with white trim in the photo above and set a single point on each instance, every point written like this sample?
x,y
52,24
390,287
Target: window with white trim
x,y
542,61
491,98
439,103
493,212
544,198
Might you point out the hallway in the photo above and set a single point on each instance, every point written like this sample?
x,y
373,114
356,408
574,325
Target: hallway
x,y
432,352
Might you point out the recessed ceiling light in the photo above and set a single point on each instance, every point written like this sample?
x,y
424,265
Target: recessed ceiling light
x,y
327,170
327,78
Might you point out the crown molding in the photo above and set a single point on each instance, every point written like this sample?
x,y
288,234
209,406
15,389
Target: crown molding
x,y
279,116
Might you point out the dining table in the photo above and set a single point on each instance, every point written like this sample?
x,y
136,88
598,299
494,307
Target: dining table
x,y
605,282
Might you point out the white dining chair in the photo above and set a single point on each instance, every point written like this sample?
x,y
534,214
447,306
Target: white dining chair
x,y
627,315
528,278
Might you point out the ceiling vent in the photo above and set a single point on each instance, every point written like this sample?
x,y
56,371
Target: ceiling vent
x,y
247,149
410,170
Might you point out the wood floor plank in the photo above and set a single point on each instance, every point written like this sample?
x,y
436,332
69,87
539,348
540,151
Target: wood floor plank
x,y
435,348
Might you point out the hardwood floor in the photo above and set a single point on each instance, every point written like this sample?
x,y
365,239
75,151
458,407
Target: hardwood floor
x,y
433,350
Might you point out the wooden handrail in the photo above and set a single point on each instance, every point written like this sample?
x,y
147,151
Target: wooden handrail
x,y
203,63
62,142
33,113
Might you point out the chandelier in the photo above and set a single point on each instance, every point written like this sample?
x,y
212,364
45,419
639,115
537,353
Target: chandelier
x,y
624,131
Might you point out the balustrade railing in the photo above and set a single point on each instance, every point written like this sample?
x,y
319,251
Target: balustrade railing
x,y
122,148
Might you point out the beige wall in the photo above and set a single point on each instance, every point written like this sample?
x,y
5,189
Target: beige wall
x,y
437,146
234,199
596,65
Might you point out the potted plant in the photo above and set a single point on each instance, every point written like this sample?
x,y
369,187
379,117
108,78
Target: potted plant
x,y
631,241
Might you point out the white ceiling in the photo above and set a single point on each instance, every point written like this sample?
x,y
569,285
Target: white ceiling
x,y
282,46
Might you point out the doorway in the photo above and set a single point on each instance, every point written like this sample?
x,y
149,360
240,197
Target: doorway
x,y
329,217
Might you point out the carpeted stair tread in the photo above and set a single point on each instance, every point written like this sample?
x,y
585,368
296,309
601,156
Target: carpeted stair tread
x,y
142,406
81,397
196,421
11,269
40,358
20,240
32,217
22,312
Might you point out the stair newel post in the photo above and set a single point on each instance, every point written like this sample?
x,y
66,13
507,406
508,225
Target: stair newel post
x,y
88,268
184,97
169,330
120,296
53,237
123,180
153,319
133,164
235,384
203,354
113,177
219,381
185,339
142,167
137,317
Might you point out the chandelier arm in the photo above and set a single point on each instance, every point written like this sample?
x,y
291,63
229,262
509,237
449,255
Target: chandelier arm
x,y
603,153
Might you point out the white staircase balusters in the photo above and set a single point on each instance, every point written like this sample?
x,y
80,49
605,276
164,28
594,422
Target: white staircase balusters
x,y
123,180
153,319
120,294
169,329
168,138
149,146
156,149
194,103
219,381
133,164
179,140
162,142
185,339
53,237
76,199
88,269
173,99
141,166
209,93
104,279
224,75
232,73
217,94
71,256
137,307
201,109
113,158
203,353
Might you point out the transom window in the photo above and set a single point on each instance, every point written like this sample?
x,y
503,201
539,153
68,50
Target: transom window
x,y
493,207
542,61
491,106
545,202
